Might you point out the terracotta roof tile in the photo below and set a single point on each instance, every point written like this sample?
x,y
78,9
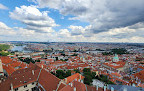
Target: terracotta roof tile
x,y
48,81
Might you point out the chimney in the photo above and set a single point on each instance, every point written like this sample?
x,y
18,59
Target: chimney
x,y
66,80
112,89
74,88
104,88
33,72
80,76
81,81
97,87
71,84
11,87
125,89
42,66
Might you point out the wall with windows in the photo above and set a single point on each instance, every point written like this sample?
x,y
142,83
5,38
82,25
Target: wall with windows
x,y
28,87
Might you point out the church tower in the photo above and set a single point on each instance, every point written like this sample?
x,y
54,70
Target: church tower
x,y
115,58
1,68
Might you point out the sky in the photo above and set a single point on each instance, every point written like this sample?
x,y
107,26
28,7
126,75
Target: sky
x,y
72,20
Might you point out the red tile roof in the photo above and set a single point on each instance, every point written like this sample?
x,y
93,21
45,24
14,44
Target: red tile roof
x,y
48,81
20,78
115,65
76,76
67,88
140,75
6,59
116,74
61,86
9,69
79,86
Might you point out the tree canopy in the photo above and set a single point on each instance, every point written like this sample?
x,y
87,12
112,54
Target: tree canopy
x,y
4,47
62,74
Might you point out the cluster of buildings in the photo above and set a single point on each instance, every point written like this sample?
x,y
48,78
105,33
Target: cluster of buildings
x,y
35,78
126,71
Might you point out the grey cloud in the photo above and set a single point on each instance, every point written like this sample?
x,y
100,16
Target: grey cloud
x,y
76,32
101,14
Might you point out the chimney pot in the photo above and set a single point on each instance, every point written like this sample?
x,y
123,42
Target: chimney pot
x,y
74,88
33,72
104,88
112,89
97,88
71,84
81,81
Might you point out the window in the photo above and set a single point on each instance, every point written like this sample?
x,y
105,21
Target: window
x,y
16,89
25,86
34,89
33,83
27,90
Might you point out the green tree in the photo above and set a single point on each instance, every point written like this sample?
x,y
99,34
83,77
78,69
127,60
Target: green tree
x,y
86,70
93,75
60,73
74,54
77,70
52,73
88,76
87,79
104,78
4,47
37,60
61,77
119,51
4,54
68,73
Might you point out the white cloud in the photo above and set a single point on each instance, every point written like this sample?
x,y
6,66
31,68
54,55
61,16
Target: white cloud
x,y
33,18
64,35
121,30
109,21
21,34
5,30
76,30
3,7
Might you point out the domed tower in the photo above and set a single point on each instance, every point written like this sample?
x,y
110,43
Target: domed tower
x,y
115,58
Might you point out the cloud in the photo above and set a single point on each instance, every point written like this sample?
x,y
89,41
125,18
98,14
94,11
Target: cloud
x,y
76,30
101,14
56,4
5,30
64,35
3,7
127,32
21,34
33,18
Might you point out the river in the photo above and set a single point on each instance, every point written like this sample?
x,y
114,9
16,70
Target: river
x,y
20,49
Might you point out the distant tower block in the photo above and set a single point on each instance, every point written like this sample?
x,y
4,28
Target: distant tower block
x,y
1,68
115,58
